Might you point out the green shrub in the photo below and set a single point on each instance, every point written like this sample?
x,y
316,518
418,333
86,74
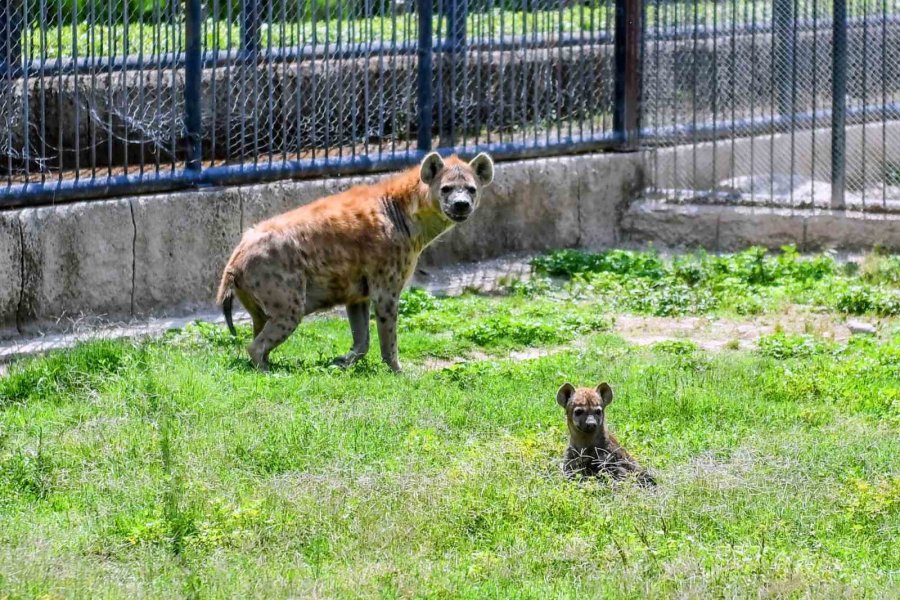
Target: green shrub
x,y
415,300
862,299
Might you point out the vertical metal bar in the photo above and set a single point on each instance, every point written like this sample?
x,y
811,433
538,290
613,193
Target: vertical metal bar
x,y
192,76
627,85
884,115
426,99
784,52
270,145
110,135
75,89
42,52
865,100
839,104
26,100
216,42
501,77
250,40
457,15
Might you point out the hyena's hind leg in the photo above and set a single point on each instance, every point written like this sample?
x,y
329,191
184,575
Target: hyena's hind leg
x,y
283,303
256,313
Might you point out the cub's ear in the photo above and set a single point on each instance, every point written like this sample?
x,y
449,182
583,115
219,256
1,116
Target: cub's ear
x,y
564,394
606,394
484,168
431,166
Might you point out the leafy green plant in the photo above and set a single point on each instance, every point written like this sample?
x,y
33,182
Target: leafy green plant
x,y
862,299
783,346
495,331
416,300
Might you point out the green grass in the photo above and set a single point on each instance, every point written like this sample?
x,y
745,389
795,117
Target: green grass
x,y
170,469
341,25
97,32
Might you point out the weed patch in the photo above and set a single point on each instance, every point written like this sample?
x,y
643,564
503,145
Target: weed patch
x,y
745,283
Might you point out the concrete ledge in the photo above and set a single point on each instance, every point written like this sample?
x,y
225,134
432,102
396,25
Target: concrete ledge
x,y
730,228
827,229
741,227
673,226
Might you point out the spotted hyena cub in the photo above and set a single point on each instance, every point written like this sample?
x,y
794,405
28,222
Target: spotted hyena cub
x,y
350,249
593,450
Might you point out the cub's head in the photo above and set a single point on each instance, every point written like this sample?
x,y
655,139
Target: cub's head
x,y
585,407
455,184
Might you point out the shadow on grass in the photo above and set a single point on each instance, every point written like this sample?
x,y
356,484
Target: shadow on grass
x,y
319,364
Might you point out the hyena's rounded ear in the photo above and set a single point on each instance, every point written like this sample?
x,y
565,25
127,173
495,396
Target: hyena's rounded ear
x,y
605,392
564,394
483,166
431,166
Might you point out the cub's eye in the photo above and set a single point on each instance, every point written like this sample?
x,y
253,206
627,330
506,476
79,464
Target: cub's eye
x,y
446,189
579,412
472,190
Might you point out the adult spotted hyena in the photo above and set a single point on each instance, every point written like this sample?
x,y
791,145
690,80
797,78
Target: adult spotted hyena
x,y
358,246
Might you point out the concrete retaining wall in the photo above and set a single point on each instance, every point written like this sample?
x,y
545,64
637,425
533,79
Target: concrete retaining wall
x,y
720,228
163,255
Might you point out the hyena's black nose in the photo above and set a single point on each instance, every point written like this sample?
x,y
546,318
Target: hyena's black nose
x,y
461,207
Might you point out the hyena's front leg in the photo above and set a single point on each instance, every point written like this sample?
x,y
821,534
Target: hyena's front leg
x,y
358,315
386,305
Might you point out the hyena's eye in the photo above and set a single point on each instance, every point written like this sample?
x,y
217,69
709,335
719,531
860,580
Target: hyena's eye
x,y
446,189
472,190
579,412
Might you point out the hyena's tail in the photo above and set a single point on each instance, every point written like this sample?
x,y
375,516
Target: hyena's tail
x,y
225,297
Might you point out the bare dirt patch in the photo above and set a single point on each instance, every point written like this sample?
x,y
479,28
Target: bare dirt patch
x,y
715,334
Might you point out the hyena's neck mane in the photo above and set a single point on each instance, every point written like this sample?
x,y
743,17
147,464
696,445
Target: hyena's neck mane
x,y
406,198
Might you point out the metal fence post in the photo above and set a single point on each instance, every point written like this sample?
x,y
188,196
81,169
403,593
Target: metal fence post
x,y
424,51
783,27
457,12
250,39
12,22
627,78
839,105
192,77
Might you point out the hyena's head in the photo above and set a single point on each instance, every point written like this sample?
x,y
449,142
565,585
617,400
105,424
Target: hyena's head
x,y
456,185
585,407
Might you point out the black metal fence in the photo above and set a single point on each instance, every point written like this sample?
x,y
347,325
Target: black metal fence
x,y
787,102
102,98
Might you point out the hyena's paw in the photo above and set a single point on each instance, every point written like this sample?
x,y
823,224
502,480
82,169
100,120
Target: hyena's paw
x,y
347,360
258,360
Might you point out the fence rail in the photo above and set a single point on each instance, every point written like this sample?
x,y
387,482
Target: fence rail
x,y
105,98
